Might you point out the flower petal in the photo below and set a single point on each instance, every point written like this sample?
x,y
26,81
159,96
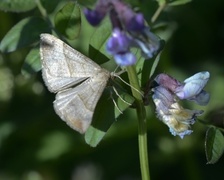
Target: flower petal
x,y
93,17
118,43
173,114
125,59
202,98
193,87
136,23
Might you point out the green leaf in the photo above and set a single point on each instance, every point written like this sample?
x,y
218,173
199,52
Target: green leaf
x,y
87,3
24,33
178,2
32,63
68,20
97,50
155,64
103,118
50,6
140,64
105,114
214,145
17,5
123,101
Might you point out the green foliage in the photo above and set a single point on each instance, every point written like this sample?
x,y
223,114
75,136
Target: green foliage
x,y
24,33
102,120
31,63
214,145
17,6
68,20
97,43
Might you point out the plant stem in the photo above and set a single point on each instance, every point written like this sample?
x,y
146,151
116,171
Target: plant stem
x,y
142,126
158,11
45,16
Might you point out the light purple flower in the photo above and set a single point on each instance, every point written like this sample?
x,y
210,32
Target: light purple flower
x,y
192,89
129,30
119,46
167,93
170,112
125,59
118,42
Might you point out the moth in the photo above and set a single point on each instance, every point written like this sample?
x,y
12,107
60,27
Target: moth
x,y
77,81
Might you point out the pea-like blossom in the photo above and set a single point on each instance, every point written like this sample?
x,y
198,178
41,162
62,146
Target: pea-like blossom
x,y
169,92
129,30
190,89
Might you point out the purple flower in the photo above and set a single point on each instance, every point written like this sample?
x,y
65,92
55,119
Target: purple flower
x,y
149,43
93,17
119,46
166,97
129,30
118,42
125,59
170,112
136,23
191,89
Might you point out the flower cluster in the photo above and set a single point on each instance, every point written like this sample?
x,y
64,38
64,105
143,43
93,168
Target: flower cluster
x,y
166,97
129,30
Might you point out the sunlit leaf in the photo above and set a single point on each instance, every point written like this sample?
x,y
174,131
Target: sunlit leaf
x,y
17,5
24,33
68,20
178,2
32,63
97,50
214,145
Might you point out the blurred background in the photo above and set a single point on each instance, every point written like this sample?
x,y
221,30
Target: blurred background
x,y
36,145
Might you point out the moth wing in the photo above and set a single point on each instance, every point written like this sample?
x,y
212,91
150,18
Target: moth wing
x,y
76,105
63,66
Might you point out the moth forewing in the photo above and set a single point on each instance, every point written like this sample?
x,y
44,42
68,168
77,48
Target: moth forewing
x,y
63,66
77,80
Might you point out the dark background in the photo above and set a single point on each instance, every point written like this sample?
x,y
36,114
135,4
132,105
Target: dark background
x,y
36,145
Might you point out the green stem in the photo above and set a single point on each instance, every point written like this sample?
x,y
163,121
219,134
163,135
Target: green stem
x,y
158,11
41,9
142,126
45,15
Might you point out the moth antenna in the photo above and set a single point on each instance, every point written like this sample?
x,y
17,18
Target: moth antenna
x,y
115,104
121,97
116,75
